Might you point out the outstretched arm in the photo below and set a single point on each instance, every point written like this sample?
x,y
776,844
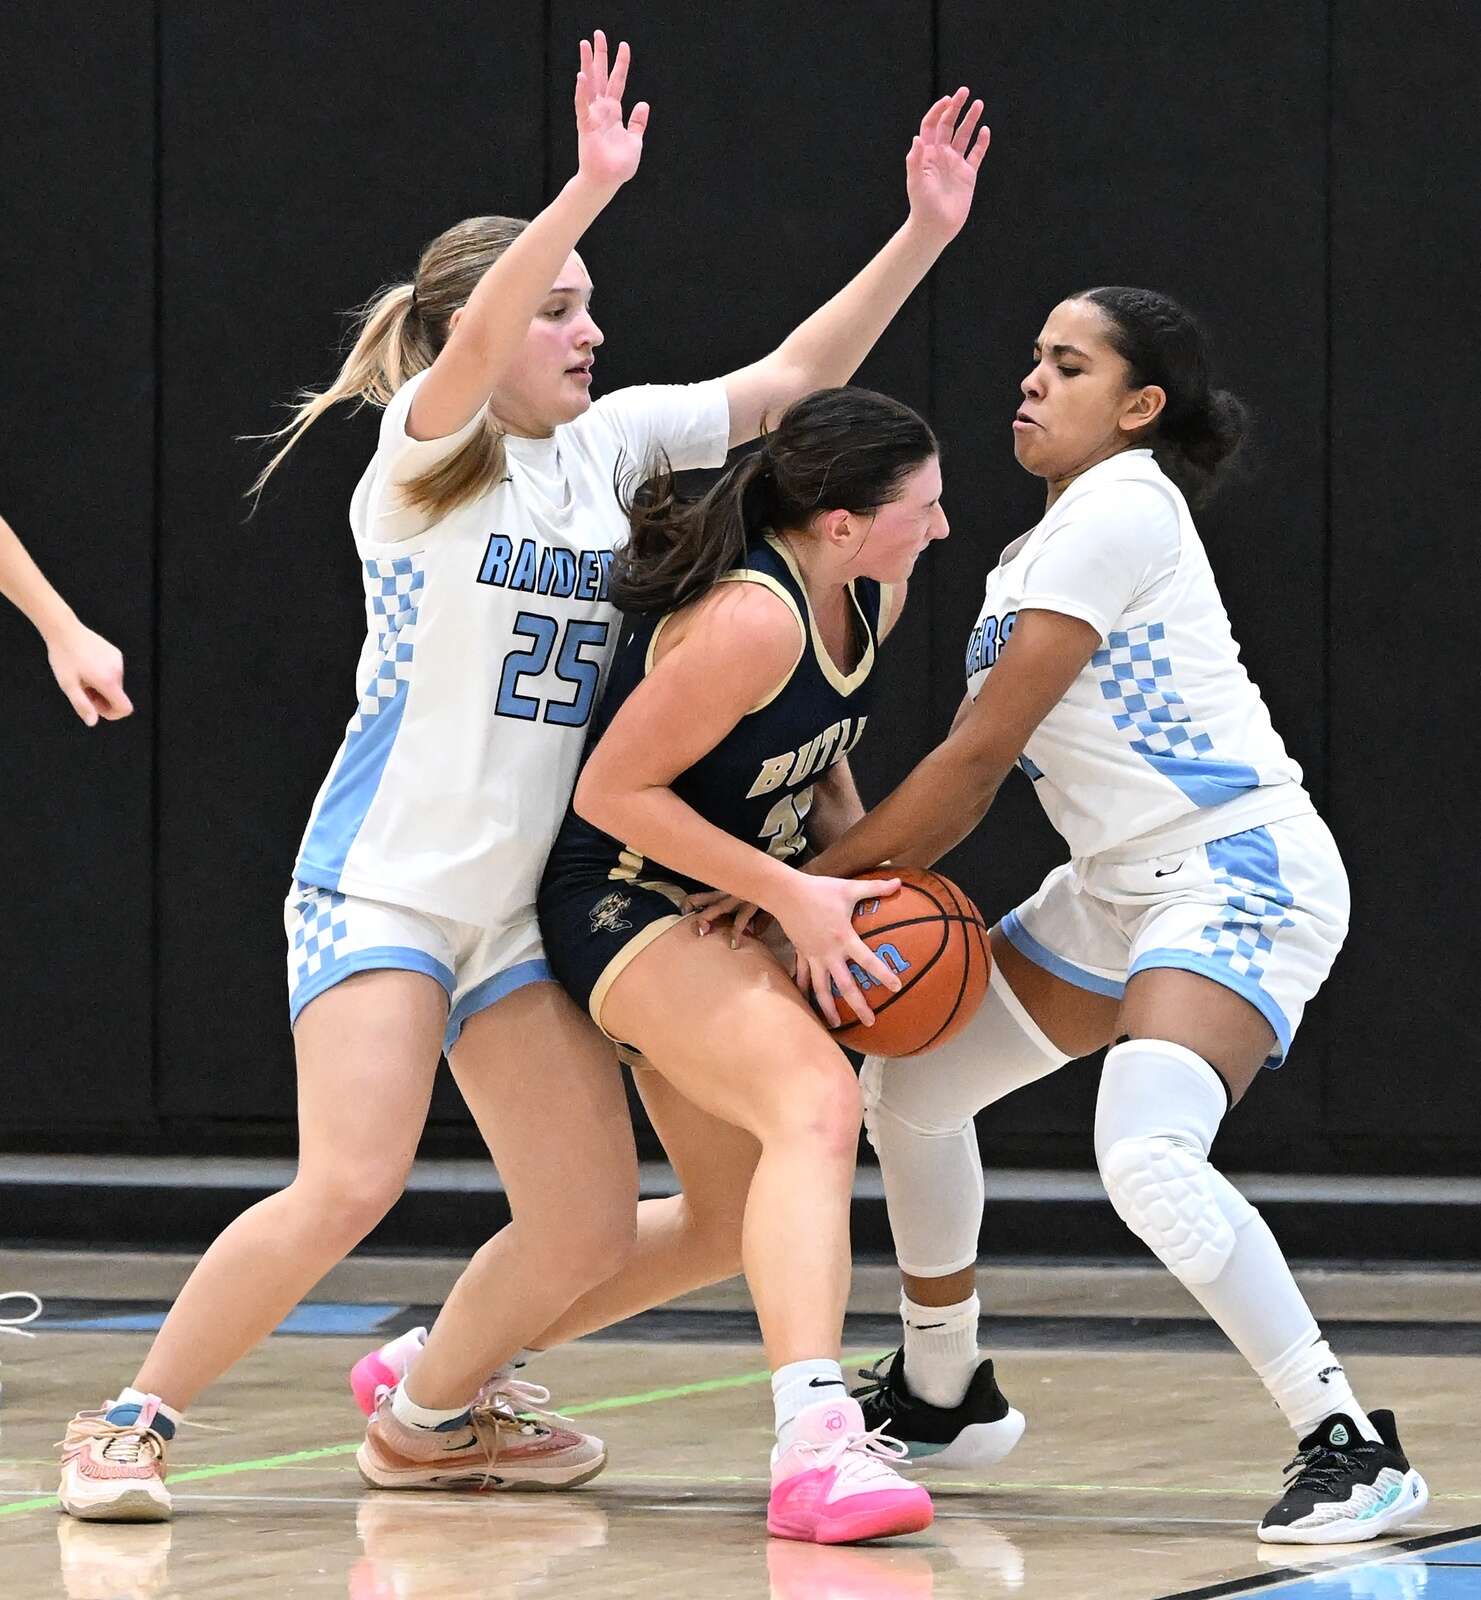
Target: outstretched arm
x,y
827,349
88,670
491,328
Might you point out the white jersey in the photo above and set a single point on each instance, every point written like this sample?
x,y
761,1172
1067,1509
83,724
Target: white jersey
x,y
1162,742
489,635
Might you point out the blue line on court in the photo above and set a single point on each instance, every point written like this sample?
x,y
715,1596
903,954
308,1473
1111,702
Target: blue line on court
x,y
1441,1572
326,1318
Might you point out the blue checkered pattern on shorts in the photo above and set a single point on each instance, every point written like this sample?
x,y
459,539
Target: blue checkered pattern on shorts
x,y
319,927
1256,912
392,596
1136,674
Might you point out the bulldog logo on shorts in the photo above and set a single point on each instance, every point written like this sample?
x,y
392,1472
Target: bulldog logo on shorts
x,y
606,914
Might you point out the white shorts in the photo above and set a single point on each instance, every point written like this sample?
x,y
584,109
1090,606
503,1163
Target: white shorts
x,y
1263,913
331,935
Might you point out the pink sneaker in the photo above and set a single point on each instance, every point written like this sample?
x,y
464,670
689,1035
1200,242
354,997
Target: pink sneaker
x,y
384,1368
375,1375
834,1483
496,1450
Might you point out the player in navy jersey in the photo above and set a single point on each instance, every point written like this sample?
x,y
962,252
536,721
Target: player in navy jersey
x,y
483,532
744,682
1201,909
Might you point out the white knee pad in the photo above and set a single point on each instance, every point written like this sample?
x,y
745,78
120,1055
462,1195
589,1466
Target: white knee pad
x,y
918,1115
1155,1120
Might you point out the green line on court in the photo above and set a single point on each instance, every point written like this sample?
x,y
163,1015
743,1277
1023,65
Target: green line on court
x,y
298,1457
649,1396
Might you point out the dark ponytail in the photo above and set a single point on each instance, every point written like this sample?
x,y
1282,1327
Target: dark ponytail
x,y
1201,431
838,449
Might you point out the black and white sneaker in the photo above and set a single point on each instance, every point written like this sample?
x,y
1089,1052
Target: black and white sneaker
x,y
1344,1488
976,1433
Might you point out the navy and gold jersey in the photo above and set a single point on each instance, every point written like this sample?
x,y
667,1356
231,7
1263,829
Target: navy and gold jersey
x,y
600,899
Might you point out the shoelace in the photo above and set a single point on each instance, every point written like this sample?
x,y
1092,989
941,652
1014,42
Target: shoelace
x,y
876,1382
511,1398
486,1421
1322,1468
16,1324
876,1446
124,1443
505,1397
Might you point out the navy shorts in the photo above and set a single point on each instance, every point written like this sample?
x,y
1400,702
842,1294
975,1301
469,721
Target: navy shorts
x,y
593,926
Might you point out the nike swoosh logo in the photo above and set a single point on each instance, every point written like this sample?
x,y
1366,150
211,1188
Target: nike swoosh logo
x,y
1160,874
925,1327
825,1383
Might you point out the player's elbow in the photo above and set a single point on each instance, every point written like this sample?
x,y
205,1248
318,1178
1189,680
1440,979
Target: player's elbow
x,y
591,800
602,800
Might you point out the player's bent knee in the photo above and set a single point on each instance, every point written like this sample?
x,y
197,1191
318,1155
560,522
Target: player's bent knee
x,y
1158,1112
591,1252
827,1109
348,1205
1164,1194
880,1114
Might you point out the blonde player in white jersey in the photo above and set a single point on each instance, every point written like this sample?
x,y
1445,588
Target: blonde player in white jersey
x,y
483,526
1201,909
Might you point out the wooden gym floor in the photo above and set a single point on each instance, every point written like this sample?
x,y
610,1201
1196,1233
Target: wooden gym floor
x,y
1150,1454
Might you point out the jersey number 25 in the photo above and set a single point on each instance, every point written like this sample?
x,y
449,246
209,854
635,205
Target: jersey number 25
x,y
571,667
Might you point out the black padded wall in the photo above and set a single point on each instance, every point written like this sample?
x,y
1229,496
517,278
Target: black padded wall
x,y
1406,234
751,209
77,438
307,155
195,195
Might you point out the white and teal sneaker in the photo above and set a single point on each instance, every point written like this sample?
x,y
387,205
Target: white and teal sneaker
x,y
1344,1488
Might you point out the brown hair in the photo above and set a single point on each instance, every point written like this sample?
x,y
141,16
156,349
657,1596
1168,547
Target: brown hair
x,y
846,449
398,333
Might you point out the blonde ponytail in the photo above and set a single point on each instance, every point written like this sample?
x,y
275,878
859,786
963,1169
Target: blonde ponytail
x,y
399,332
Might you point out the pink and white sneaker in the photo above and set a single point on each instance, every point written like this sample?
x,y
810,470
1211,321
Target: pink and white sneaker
x,y
384,1368
115,1471
376,1375
834,1483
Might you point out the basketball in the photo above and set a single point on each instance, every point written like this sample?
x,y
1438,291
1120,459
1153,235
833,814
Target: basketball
x,y
935,939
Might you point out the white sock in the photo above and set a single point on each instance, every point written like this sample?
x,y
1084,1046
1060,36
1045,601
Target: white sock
x,y
801,1384
1308,1384
940,1349
403,1350
138,1400
407,1412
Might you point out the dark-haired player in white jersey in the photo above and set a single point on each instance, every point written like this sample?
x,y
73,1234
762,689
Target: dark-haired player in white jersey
x,y
1201,909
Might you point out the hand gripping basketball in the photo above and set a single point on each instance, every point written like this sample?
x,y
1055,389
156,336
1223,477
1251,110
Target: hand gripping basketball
x,y
816,914
935,941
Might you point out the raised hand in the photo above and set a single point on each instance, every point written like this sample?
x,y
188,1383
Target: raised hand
x,y
608,152
941,169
